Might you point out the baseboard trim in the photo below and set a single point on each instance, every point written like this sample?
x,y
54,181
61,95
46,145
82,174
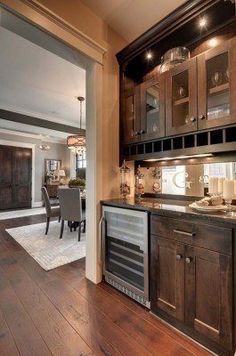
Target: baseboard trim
x,y
37,204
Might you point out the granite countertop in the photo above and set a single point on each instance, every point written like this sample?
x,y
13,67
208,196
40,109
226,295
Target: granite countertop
x,y
170,208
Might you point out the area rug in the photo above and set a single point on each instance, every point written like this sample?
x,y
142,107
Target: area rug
x,y
48,250
21,213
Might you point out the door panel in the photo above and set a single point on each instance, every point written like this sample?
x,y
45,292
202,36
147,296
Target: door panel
x,y
181,98
153,108
169,270
22,161
15,177
208,294
216,86
5,177
131,115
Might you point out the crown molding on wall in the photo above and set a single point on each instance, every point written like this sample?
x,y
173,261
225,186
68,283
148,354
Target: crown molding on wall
x,y
36,13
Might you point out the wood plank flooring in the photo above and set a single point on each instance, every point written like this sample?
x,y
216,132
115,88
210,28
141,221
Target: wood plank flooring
x,y
61,313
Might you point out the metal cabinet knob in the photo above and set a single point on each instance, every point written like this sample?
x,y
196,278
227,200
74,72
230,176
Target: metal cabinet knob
x,y
188,260
178,257
201,117
142,132
192,119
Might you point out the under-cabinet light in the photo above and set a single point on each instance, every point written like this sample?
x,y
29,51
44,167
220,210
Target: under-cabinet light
x,y
178,157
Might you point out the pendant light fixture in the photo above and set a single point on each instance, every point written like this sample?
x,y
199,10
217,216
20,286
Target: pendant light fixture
x,y
77,143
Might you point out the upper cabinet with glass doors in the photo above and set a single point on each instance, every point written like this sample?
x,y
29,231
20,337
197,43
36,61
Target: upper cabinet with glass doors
x,y
153,108
181,98
217,86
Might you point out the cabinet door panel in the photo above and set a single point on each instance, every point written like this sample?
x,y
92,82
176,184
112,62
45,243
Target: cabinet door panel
x,y
208,294
216,86
168,276
153,108
181,98
131,115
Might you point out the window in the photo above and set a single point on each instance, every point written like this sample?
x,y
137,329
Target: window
x,y
80,161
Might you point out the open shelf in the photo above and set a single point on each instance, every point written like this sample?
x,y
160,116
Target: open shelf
x,y
223,138
181,101
219,88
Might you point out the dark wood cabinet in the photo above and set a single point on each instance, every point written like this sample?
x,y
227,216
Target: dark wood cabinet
x,y
15,177
217,86
168,258
131,116
208,294
191,279
181,98
152,95
198,94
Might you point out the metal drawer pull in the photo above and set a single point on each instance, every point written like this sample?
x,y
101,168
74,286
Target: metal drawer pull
x,y
191,234
188,260
178,257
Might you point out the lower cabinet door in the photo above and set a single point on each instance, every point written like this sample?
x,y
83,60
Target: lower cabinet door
x,y
167,273
208,294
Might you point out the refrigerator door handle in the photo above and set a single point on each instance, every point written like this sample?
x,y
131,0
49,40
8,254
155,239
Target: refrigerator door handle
x,y
101,240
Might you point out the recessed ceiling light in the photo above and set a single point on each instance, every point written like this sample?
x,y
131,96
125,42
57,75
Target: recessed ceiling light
x,y
202,22
149,55
213,42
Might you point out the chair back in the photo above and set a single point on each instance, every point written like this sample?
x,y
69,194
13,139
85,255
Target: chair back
x,y
70,204
46,201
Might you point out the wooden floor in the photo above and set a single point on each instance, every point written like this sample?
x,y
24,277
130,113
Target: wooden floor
x,y
61,313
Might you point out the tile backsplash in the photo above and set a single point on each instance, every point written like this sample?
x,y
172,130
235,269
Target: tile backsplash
x,y
189,180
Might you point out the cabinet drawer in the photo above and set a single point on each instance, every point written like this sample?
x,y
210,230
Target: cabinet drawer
x,y
212,237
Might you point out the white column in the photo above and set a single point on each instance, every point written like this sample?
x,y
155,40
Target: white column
x,y
94,169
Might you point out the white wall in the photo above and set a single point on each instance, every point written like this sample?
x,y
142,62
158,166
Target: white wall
x,y
57,151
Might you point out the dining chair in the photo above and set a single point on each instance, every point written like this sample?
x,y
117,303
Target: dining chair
x,y
71,208
50,211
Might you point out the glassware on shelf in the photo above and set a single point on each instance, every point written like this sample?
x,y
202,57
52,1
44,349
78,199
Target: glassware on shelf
x,y
217,78
139,185
125,180
173,57
228,194
182,92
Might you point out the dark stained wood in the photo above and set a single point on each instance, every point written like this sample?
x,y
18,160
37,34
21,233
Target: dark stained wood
x,y
22,177
179,28
229,48
64,311
205,280
5,177
209,294
158,81
131,115
16,176
167,278
190,67
212,237
7,343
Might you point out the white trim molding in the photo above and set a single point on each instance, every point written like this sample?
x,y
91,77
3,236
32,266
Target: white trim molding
x,y
25,145
44,18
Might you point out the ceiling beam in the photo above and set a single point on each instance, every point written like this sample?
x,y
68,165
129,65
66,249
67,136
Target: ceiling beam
x,y
34,121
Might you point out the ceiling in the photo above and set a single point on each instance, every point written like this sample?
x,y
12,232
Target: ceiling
x,y
130,18
37,82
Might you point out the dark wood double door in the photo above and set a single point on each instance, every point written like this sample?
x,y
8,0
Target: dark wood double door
x,y
15,177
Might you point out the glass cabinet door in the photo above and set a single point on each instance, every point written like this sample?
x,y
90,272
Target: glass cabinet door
x,y
216,86
153,109
130,116
181,98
